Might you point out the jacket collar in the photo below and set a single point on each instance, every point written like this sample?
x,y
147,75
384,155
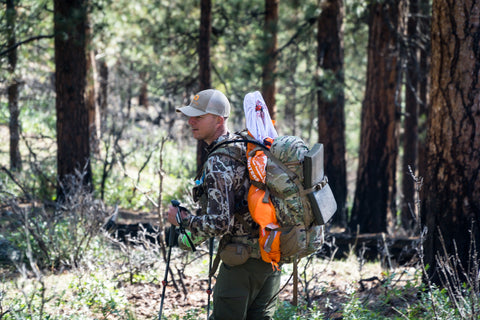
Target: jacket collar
x,y
224,137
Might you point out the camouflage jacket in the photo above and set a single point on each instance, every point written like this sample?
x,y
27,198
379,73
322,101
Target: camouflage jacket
x,y
222,196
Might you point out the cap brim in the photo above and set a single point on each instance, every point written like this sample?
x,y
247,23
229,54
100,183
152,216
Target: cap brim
x,y
190,111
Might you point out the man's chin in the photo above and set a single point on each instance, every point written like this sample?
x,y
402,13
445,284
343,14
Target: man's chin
x,y
196,136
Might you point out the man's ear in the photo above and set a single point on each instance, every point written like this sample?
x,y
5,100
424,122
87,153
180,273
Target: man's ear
x,y
220,120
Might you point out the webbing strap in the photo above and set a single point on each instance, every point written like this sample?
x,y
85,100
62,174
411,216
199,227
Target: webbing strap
x,y
258,184
215,264
317,187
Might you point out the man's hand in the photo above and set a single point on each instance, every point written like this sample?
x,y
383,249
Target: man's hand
x,y
172,215
176,215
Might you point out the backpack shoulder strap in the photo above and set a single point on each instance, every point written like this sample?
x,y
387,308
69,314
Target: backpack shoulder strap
x,y
230,149
244,138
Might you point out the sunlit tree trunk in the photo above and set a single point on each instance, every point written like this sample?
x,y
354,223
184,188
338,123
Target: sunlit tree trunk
x,y
14,125
91,102
451,198
270,56
91,91
70,80
331,101
378,137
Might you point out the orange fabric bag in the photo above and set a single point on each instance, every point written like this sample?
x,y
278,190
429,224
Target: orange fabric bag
x,y
262,209
261,128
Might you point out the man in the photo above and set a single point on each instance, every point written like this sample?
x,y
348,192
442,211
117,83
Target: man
x,y
246,286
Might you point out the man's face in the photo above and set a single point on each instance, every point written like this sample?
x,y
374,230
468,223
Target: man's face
x,y
205,127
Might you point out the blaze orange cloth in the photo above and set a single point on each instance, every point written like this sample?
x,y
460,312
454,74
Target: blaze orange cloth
x,y
262,209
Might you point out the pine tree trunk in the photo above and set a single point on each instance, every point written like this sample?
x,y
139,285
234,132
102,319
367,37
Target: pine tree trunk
x,y
91,91
410,123
204,45
102,96
143,95
451,199
378,141
12,90
425,54
205,65
331,113
70,79
270,64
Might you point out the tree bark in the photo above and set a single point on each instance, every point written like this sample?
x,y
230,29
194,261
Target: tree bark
x,y
425,57
270,65
204,65
378,140
143,95
204,45
12,90
331,101
73,152
91,91
102,96
410,122
451,199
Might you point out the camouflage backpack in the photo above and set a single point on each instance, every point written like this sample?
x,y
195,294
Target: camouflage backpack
x,y
302,208
302,232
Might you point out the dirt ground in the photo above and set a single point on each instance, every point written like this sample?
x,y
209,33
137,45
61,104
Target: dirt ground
x,y
324,282
146,298
329,286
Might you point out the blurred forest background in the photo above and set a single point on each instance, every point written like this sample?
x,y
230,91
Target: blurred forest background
x,y
88,91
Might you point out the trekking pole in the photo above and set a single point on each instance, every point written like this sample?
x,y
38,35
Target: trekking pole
x,y
171,241
209,290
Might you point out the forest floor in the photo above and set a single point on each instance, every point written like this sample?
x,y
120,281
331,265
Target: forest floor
x,y
136,273
326,283
329,290
331,285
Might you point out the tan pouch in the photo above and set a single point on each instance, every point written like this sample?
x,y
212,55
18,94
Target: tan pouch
x,y
234,254
292,240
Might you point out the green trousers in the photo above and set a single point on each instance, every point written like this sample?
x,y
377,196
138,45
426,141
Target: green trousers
x,y
246,292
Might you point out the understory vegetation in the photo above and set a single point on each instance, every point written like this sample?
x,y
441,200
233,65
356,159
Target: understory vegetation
x,y
61,273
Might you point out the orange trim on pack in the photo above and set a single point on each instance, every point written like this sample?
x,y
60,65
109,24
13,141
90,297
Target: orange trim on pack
x,y
262,212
